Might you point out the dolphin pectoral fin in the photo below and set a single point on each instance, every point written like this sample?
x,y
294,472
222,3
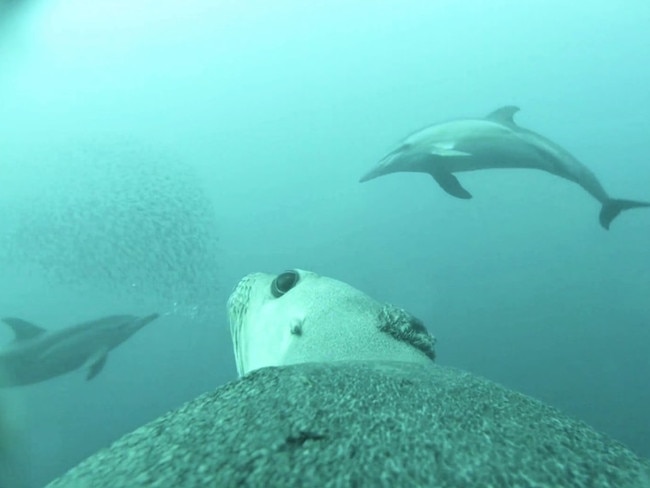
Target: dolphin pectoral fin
x,y
451,185
504,115
22,329
613,207
97,365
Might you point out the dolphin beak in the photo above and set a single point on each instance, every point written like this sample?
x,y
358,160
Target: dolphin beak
x,y
373,173
141,322
382,168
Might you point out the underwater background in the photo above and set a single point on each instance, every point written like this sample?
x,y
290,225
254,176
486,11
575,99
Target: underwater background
x,y
152,153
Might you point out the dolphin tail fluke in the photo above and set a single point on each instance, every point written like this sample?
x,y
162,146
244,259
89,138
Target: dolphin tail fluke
x,y
613,207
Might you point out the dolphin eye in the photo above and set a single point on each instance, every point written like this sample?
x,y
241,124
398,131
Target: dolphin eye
x,y
284,282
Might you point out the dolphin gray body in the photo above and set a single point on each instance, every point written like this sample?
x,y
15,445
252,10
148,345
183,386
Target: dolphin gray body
x,y
38,355
495,141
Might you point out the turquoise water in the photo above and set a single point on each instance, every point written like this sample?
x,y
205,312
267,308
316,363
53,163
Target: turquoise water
x,y
155,152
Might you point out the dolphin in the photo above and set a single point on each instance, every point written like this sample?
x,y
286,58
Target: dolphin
x,y
495,141
37,355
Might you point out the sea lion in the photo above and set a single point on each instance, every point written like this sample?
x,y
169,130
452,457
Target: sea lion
x,y
299,316
341,421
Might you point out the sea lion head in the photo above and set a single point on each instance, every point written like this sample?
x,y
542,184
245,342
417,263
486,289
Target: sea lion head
x,y
299,316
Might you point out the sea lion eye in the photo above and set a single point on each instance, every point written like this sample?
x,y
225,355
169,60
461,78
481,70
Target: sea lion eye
x,y
284,282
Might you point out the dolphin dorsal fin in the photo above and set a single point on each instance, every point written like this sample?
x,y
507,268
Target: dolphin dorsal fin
x,y
23,330
504,115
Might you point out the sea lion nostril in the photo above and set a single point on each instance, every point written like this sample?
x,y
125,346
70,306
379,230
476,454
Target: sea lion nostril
x,y
284,282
